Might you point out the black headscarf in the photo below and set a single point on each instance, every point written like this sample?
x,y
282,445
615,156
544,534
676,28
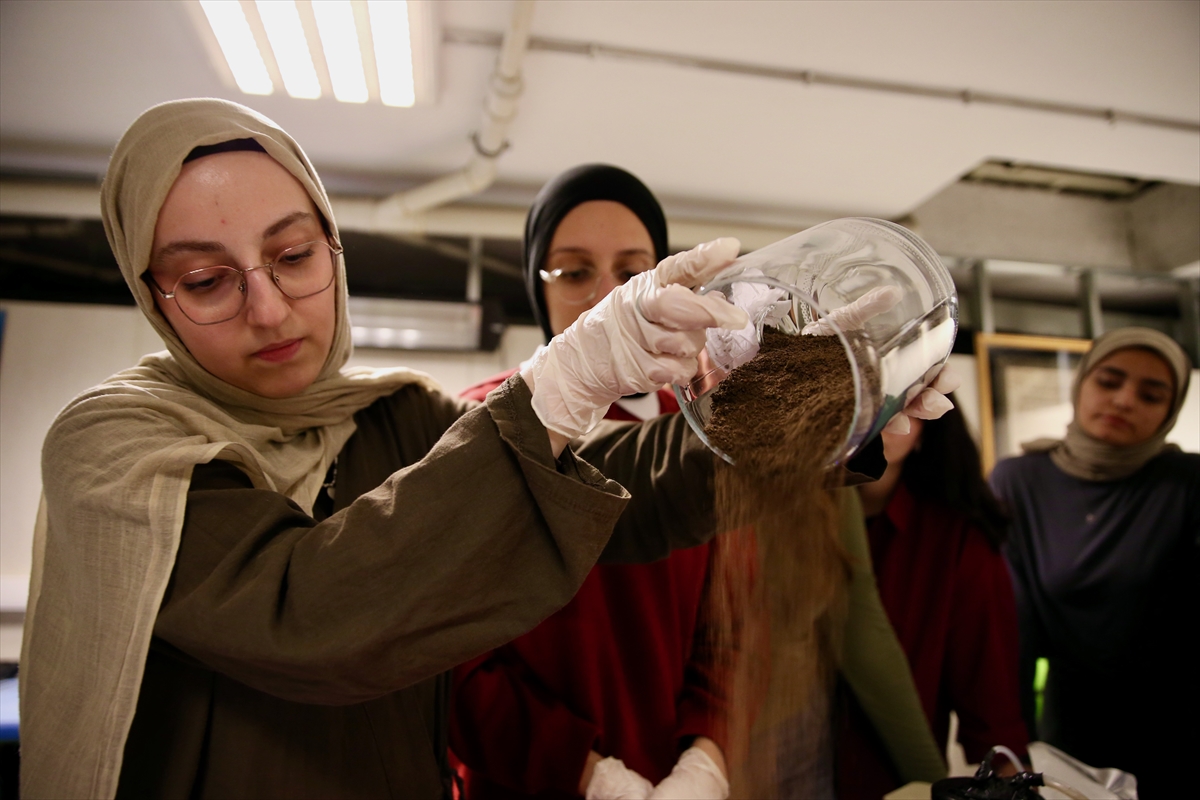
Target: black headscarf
x,y
574,187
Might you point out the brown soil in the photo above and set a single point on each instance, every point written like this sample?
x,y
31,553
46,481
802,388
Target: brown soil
x,y
790,405
780,573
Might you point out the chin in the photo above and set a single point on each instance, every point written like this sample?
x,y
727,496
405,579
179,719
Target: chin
x,y
281,386
1110,436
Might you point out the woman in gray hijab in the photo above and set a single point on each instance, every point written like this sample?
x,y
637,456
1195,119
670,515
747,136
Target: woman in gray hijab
x,y
1103,554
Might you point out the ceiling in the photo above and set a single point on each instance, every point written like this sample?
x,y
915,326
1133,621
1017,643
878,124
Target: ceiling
x,y
709,142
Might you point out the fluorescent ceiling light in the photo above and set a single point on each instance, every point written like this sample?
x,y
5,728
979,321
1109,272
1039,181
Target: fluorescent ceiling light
x,y
393,51
362,50
391,323
339,39
236,40
286,35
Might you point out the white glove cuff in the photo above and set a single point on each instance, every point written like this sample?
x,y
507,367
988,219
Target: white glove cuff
x,y
612,780
557,403
695,777
702,763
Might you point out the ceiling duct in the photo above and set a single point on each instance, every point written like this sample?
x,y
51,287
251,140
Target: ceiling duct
x,y
1057,180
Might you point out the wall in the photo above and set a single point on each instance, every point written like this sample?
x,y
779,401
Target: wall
x,y
1053,421
52,351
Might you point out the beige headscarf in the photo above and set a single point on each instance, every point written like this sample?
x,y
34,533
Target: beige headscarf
x,y
117,463
1093,460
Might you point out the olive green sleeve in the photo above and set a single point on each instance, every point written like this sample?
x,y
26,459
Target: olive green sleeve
x,y
874,663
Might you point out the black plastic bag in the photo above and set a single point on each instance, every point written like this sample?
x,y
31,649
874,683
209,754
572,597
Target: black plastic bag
x,y
987,785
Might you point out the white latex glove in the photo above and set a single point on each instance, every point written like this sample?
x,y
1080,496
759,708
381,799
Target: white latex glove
x,y
612,780
642,335
695,777
930,403
853,316
732,348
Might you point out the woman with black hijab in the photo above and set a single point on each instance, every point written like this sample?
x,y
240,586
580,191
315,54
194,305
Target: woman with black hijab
x,y
622,693
615,689
1103,554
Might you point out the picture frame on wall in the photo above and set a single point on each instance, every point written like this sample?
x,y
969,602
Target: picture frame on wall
x,y
1024,390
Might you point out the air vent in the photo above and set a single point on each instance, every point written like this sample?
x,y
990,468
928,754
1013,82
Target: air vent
x,y
1057,180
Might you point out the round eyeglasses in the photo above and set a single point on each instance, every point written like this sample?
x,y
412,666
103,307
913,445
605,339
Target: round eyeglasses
x,y
218,294
578,284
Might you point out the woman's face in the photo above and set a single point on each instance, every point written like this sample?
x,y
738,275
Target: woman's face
x,y
1125,398
599,238
241,209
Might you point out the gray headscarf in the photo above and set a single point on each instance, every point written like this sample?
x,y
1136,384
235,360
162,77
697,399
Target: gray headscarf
x,y
1085,457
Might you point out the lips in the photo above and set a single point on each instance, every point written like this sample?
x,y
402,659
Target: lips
x,y
1115,421
280,351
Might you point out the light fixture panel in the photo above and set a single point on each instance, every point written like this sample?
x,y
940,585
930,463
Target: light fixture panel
x,y
390,323
290,46
359,51
226,22
393,51
340,43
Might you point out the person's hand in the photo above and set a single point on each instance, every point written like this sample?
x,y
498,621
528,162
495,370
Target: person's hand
x,y
612,780
763,304
642,335
930,403
695,777
855,315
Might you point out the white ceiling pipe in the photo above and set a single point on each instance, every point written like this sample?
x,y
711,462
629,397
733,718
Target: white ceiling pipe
x,y
499,110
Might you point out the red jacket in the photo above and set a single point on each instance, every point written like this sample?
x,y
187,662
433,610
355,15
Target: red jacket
x,y
614,671
949,597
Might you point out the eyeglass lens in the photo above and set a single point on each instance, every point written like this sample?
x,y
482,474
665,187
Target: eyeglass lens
x,y
578,284
216,294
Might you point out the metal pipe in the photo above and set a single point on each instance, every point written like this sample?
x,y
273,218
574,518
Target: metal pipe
x,y
474,269
499,110
813,77
1189,317
981,298
1089,305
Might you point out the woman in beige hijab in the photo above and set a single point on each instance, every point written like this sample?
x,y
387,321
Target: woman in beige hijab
x,y
1103,555
253,565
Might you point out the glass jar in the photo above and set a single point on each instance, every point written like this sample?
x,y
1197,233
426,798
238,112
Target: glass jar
x,y
803,279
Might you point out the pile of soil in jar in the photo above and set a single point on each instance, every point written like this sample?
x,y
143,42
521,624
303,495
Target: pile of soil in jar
x,y
780,573
797,391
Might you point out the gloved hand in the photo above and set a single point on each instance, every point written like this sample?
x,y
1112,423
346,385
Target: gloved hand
x,y
642,335
612,780
695,777
853,316
763,304
930,403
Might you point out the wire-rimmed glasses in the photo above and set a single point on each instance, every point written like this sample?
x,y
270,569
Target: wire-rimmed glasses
x,y
218,293
578,283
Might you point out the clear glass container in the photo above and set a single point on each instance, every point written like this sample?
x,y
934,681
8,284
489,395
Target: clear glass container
x,y
800,280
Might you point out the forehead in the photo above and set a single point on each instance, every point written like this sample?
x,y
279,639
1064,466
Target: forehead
x,y
601,225
222,191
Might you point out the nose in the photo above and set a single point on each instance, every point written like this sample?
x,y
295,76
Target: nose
x,y
266,304
1126,396
605,284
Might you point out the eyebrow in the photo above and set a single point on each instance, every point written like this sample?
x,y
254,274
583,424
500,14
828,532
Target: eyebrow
x,y
1152,382
628,252
199,246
